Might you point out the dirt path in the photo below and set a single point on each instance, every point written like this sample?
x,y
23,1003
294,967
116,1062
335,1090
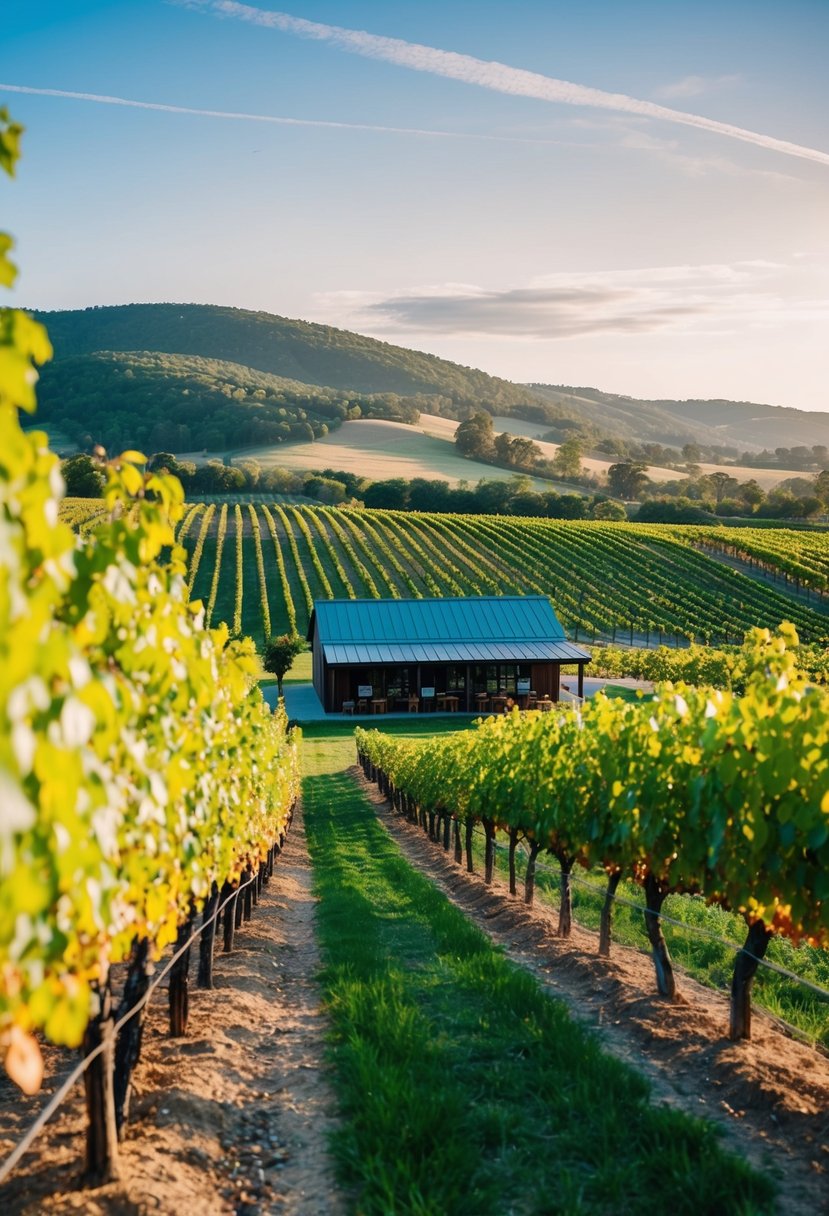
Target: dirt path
x,y
231,1121
769,1096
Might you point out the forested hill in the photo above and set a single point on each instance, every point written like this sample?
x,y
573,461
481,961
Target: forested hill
x,y
180,403
737,424
296,350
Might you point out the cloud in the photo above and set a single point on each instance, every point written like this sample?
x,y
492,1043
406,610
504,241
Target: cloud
x,y
489,74
670,151
695,86
641,301
278,120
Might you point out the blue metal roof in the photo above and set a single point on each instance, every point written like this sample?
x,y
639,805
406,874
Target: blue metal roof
x,y
483,629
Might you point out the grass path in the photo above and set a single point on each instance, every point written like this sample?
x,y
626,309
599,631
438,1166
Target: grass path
x,y
463,1088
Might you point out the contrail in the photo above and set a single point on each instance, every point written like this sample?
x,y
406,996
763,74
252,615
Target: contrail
x,y
240,116
499,77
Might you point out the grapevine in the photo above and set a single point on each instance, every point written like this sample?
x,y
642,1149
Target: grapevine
x,y
195,560
290,610
260,566
240,567
217,565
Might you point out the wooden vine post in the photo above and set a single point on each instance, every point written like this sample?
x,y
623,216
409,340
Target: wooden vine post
x,y
513,842
205,973
606,927
529,874
102,1164
179,989
745,968
229,899
565,910
489,854
128,1045
655,894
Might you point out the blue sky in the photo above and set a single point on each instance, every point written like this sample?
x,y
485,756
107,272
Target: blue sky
x,y
503,220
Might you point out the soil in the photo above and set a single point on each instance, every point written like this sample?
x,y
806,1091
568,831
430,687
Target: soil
x,y
234,1119
769,1096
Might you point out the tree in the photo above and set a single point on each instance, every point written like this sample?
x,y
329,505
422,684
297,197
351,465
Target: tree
x,y
391,495
523,452
627,479
567,460
474,436
722,484
821,488
280,653
503,445
751,493
607,509
83,479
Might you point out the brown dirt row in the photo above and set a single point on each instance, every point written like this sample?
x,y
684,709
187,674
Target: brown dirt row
x,y
770,1097
231,1121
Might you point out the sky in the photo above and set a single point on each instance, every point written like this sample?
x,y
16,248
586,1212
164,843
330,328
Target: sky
x,y
626,194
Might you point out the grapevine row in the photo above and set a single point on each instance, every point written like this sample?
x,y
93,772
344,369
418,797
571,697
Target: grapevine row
x,y
240,573
195,560
217,565
260,567
298,566
283,577
696,790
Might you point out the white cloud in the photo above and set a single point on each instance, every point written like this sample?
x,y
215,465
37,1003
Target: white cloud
x,y
498,77
695,86
720,297
278,120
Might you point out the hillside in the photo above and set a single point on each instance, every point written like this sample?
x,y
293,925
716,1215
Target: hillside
x,y
744,425
181,402
298,350
124,360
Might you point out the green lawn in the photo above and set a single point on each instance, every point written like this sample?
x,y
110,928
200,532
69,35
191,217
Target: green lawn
x,y
463,1089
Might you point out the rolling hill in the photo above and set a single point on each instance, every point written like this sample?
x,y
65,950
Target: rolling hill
x,y
744,425
220,373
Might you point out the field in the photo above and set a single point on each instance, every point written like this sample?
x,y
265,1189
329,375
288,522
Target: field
x,y
379,450
261,568
395,449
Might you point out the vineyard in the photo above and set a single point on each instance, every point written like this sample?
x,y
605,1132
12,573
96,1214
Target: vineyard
x,y
147,791
260,568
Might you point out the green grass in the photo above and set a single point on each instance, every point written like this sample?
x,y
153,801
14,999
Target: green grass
x,y
463,1089
621,692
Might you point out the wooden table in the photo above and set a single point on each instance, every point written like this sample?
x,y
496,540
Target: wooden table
x,y
379,705
483,701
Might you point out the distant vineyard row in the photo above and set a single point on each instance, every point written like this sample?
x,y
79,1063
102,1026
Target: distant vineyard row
x,y
260,569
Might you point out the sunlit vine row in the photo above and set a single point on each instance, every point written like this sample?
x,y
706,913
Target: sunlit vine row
x,y
260,568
